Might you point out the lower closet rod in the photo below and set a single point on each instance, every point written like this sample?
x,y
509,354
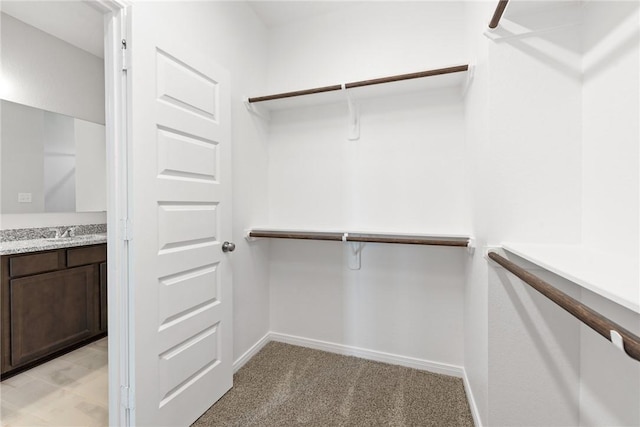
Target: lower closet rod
x,y
615,333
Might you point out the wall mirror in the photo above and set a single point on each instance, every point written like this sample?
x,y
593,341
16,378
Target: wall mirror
x,y
50,162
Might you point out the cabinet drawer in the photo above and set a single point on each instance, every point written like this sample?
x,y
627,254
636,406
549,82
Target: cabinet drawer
x,y
34,263
86,255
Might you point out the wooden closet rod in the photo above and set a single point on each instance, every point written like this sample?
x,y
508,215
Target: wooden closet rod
x,y
296,93
497,15
390,79
400,77
361,237
591,318
305,235
407,240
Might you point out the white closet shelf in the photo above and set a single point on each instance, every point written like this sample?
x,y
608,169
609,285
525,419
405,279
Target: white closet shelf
x,y
367,237
613,277
456,76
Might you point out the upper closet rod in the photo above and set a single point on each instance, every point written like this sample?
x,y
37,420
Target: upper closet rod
x,y
409,76
295,93
619,336
305,235
495,20
390,79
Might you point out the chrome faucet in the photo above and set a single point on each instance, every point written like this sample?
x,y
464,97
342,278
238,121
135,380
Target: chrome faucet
x,y
69,232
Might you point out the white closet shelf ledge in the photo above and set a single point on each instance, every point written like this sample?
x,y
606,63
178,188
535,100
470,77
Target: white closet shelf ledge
x,y
448,77
365,237
613,277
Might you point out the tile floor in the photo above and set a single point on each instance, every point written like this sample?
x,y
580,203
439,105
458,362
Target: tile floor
x,y
71,390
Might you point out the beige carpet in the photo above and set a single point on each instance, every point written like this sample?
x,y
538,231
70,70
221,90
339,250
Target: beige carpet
x,y
286,385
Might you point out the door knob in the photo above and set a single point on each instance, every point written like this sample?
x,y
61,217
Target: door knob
x,y
228,247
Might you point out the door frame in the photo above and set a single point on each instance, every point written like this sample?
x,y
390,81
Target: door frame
x,y
117,24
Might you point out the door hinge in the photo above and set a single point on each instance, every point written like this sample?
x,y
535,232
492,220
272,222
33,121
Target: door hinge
x,y
126,397
123,48
126,229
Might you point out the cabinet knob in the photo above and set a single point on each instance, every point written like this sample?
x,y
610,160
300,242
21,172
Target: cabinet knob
x,y
228,247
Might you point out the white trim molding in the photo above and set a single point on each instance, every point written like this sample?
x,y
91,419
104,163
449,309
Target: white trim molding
x,y
248,355
471,400
377,356
119,290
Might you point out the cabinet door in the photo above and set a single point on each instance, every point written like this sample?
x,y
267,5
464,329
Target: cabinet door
x,y
103,297
51,311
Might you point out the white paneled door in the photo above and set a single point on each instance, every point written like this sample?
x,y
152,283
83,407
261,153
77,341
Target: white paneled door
x,y
181,201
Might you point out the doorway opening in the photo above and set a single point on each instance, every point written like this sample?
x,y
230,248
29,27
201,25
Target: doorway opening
x,y
64,91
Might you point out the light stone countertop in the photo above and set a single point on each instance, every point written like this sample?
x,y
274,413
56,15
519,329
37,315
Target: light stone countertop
x,y
35,245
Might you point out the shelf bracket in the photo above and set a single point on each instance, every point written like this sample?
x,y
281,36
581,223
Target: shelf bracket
x,y
255,110
355,253
353,125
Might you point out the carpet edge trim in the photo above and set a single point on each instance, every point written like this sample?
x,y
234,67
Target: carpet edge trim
x,y
377,356
472,401
253,350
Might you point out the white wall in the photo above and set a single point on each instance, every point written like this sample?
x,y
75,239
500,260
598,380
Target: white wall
x,y
532,194
42,71
534,351
233,37
610,126
405,301
609,380
610,383
523,113
406,173
553,157
363,40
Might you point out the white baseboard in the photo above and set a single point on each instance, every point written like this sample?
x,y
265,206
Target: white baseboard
x,y
378,356
472,401
242,360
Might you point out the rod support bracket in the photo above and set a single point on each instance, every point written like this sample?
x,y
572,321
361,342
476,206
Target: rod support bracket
x,y
471,246
616,340
354,253
255,110
497,249
247,236
353,125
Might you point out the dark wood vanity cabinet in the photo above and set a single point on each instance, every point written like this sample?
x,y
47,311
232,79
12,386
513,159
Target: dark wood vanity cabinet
x,y
103,297
51,302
